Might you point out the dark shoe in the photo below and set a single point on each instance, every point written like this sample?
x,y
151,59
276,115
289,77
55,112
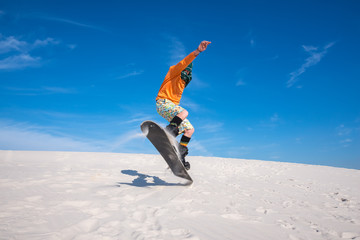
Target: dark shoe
x,y
186,165
183,152
172,129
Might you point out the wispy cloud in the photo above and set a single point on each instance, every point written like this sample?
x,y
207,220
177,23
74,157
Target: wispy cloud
x,y
137,118
199,148
316,54
2,13
125,138
60,90
275,118
28,136
71,46
347,135
241,74
197,83
12,44
45,42
19,61
240,82
40,91
17,136
131,74
190,104
270,123
19,51
343,131
68,21
177,49
212,127
251,39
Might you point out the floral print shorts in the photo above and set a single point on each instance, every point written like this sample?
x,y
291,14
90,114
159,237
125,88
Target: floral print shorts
x,y
168,110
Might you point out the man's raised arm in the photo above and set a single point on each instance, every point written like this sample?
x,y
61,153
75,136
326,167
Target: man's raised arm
x,y
202,47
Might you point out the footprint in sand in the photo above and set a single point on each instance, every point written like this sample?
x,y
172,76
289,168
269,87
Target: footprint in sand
x,y
350,235
181,233
286,224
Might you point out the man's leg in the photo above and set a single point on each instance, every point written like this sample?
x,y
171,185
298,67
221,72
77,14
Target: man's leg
x,y
173,113
177,116
174,125
188,131
183,114
185,139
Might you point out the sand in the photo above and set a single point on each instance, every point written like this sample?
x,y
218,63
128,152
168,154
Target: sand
x,y
69,195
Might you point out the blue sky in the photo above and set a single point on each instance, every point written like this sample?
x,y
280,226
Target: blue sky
x,y
279,82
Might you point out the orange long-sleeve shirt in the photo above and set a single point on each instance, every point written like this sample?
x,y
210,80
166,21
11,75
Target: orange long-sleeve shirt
x,y
173,86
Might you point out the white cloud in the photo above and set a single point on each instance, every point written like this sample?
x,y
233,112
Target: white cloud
x,y
197,83
252,42
62,136
240,83
61,90
71,22
310,48
17,136
45,42
131,74
137,118
199,147
275,118
346,135
71,46
19,61
41,91
315,57
12,44
343,131
250,38
21,58
187,103
241,73
271,123
212,127
126,138
347,140
177,50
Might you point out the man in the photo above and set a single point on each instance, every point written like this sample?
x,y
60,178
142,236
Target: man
x,y
169,96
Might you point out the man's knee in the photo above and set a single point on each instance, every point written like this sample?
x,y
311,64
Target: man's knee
x,y
183,114
189,132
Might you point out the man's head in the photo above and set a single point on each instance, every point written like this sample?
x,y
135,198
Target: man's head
x,y
186,74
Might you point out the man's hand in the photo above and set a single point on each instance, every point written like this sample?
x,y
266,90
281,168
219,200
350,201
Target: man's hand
x,y
202,47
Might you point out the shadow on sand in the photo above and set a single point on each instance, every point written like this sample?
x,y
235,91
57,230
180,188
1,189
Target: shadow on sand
x,y
142,180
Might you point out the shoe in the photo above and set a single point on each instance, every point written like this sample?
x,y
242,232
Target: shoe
x,y
172,129
186,165
183,152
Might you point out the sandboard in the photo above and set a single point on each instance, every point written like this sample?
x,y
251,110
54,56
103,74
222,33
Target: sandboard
x,y
161,141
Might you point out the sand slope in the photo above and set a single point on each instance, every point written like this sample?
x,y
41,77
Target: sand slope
x,y
66,195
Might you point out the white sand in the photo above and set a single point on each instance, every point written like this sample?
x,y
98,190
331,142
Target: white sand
x,y
66,195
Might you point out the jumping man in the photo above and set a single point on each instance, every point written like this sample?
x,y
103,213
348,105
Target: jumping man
x,y
169,96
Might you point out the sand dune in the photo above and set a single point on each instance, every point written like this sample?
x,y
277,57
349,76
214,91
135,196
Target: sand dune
x,y
67,195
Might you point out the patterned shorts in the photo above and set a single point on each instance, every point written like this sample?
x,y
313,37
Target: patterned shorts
x,y
168,110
